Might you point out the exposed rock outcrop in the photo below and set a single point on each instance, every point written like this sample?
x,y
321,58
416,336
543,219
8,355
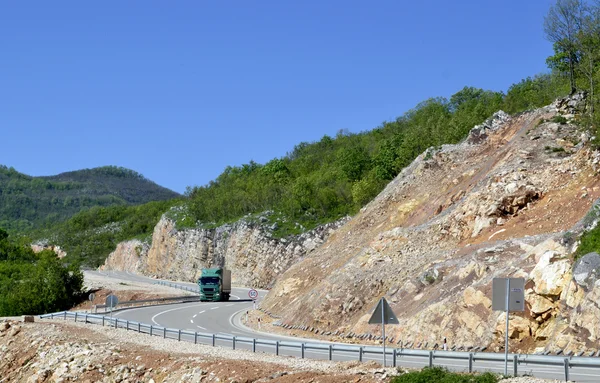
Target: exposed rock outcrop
x,y
508,201
246,248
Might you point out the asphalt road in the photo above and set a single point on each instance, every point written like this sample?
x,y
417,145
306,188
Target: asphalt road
x,y
226,318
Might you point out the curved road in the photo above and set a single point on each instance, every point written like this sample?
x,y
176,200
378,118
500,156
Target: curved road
x,y
226,318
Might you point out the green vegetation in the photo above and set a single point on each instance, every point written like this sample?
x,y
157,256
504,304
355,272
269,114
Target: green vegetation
x,y
590,242
322,181
441,375
29,203
89,236
573,27
35,283
559,119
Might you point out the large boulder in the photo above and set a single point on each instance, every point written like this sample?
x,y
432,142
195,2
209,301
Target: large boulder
x,y
587,270
550,275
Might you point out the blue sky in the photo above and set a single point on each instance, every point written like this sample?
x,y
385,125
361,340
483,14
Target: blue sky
x,y
179,90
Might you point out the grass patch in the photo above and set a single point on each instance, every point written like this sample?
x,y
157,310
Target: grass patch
x,y
590,242
441,375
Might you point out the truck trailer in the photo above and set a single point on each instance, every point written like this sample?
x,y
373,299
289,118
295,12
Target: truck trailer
x,y
215,284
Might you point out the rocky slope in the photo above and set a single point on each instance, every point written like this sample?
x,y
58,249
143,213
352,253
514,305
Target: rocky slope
x,y
247,248
509,201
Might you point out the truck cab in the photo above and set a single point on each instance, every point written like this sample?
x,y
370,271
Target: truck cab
x,y
215,284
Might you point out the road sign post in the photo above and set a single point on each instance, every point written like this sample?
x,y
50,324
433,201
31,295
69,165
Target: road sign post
x,y
111,301
253,294
91,297
508,294
383,314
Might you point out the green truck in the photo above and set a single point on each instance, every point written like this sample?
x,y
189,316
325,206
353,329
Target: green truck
x,y
215,284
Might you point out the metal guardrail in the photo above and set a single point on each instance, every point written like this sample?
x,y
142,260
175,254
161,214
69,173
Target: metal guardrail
x,y
208,338
143,302
176,286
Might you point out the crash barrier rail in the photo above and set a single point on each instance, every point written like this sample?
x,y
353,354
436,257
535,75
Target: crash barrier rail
x,y
176,286
470,358
144,302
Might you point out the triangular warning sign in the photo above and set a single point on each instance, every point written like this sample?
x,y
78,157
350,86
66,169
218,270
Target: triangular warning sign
x,y
383,314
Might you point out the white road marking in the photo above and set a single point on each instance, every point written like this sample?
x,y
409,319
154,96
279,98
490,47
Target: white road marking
x,y
235,296
229,305
164,312
191,320
195,315
214,308
201,312
201,327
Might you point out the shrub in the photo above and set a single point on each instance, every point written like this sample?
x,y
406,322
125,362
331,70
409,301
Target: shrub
x,y
441,375
559,119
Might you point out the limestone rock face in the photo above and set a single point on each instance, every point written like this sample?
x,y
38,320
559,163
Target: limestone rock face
x,y
550,275
247,249
509,201
128,256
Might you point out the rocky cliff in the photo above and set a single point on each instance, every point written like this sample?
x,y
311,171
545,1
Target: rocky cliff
x,y
246,248
509,201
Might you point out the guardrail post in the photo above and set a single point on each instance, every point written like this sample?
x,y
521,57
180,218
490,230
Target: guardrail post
x,y
233,343
127,324
515,364
276,347
213,340
75,316
470,362
102,320
179,335
254,345
150,329
430,359
65,315
566,369
139,327
302,350
394,357
86,318
330,352
116,322
164,332
360,354
195,337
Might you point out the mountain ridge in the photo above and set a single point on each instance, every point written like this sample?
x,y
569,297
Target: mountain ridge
x,y
29,202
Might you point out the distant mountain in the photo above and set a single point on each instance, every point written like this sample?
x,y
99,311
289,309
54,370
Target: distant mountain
x,y
28,202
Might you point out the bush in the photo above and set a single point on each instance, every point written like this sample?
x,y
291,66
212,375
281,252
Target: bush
x,y
559,119
441,375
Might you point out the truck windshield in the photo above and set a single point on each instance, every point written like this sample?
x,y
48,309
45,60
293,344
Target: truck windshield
x,y
209,280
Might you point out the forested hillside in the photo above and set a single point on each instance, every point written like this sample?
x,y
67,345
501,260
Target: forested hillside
x,y
321,181
28,203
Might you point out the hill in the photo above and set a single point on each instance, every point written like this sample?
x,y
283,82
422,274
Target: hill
x,y
509,201
28,203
